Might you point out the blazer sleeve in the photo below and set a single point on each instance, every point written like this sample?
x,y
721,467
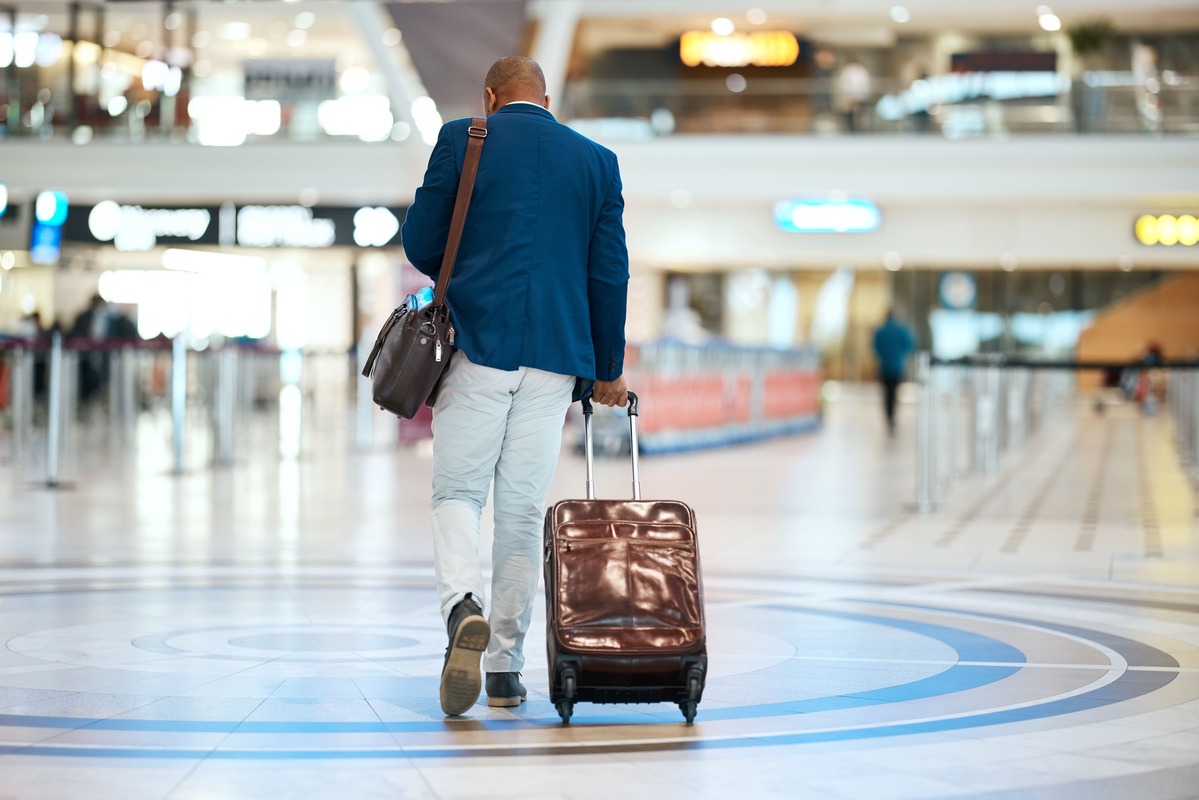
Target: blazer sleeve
x,y
427,223
608,283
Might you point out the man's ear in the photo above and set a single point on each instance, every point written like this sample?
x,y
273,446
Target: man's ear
x,y
546,103
488,101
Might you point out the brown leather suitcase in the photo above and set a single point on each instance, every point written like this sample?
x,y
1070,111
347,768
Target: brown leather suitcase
x,y
624,597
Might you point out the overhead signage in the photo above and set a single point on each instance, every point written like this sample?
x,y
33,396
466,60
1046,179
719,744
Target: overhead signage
x,y
758,49
1004,61
290,79
827,216
45,235
136,228
1166,229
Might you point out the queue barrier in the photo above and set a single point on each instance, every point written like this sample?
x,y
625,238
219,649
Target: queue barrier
x,y
52,383
974,410
696,397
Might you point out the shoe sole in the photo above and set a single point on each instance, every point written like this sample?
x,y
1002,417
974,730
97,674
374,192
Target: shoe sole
x,y
461,680
504,702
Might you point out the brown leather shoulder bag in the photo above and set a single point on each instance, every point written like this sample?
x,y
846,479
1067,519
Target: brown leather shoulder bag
x,y
413,350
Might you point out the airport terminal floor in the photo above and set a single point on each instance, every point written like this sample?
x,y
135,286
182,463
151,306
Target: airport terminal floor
x,y
270,629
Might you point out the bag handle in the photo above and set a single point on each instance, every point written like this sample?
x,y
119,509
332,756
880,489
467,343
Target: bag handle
x,y
476,133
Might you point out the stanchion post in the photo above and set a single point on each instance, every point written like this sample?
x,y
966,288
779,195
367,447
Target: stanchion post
x,y
22,402
54,421
364,428
936,375
226,403
955,424
128,378
178,400
924,434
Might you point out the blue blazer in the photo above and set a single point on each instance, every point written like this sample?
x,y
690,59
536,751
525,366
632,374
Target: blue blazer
x,y
542,273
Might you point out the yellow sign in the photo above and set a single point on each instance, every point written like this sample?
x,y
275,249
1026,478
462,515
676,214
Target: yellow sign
x,y
1167,229
760,49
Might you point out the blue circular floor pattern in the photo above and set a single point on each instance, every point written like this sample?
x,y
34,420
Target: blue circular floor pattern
x,y
783,673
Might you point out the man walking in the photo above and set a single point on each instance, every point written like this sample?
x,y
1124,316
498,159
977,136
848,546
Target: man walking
x,y
893,344
538,299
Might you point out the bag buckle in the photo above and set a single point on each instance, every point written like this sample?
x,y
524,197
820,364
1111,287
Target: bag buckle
x,y
477,132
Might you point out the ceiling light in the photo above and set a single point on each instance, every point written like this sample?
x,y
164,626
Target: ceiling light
x,y
1050,22
722,26
756,16
900,14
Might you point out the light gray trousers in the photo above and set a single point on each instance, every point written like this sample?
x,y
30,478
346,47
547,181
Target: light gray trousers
x,y
490,424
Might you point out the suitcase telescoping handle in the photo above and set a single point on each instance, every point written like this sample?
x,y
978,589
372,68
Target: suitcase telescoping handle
x,y
589,450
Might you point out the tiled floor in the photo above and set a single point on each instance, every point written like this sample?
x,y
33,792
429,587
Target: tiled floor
x,y
270,629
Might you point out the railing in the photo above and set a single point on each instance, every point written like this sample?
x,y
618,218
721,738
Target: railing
x,y
49,385
780,105
953,105
973,411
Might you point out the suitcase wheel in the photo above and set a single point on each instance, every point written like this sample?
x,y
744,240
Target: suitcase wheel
x,y
694,689
565,709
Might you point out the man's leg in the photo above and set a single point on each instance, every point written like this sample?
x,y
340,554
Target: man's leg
x,y
522,479
468,429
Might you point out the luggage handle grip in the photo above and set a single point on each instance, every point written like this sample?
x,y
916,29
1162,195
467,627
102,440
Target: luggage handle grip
x,y
589,451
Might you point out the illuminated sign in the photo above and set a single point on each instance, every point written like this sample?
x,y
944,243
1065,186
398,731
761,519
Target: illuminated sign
x,y
137,228
1166,229
827,216
142,228
759,49
375,227
45,237
283,226
3,199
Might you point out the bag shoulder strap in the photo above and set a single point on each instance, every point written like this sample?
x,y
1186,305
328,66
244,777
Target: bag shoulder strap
x,y
476,133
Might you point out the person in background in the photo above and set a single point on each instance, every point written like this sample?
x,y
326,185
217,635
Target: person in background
x,y
893,343
92,323
538,300
853,94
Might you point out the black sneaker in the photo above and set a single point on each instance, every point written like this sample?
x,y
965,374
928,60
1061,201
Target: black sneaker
x,y
460,678
505,690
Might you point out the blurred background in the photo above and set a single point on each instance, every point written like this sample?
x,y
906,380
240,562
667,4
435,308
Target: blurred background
x,y
182,179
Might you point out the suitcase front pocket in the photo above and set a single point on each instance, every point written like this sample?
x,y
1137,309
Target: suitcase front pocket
x,y
617,593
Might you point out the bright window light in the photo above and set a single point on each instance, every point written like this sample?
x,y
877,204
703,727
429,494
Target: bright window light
x,y
267,117
427,118
354,80
25,49
206,261
227,121
236,31
368,118
231,302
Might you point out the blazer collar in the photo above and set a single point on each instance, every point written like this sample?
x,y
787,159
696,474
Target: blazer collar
x,y
524,108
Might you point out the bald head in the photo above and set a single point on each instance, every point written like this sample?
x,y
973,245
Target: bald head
x,y
511,79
